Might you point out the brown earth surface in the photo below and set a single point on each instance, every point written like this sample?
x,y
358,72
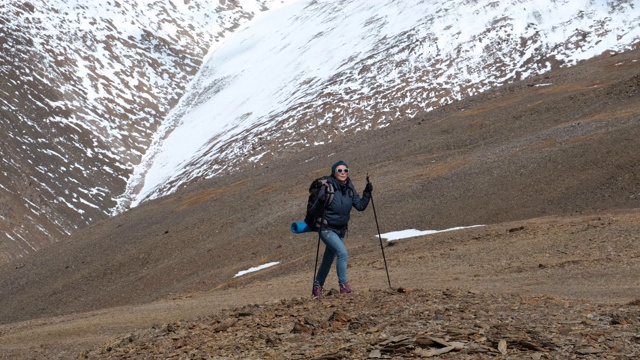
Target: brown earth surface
x,y
548,287
549,165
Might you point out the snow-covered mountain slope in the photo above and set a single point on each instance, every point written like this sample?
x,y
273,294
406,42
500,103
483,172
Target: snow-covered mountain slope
x,y
85,86
316,71
106,104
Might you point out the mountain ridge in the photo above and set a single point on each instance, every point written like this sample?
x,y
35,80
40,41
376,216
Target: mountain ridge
x,y
85,88
391,70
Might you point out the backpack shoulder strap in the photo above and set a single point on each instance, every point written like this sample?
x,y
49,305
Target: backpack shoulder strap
x,y
330,191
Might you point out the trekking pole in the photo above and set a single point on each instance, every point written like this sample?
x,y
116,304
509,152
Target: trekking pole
x,y
379,236
315,267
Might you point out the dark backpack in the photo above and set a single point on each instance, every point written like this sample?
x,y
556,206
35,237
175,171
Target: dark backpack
x,y
314,220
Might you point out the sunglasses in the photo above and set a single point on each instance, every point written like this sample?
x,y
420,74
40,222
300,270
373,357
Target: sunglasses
x,y
346,171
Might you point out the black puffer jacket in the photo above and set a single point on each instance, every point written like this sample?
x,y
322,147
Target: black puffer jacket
x,y
338,212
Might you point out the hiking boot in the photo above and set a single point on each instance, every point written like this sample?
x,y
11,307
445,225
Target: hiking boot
x,y
345,288
317,291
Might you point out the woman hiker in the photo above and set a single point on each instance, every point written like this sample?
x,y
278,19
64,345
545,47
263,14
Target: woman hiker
x,y
333,231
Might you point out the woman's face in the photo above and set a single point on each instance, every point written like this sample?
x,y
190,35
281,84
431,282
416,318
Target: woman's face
x,y
342,172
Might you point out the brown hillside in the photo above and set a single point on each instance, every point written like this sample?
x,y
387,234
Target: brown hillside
x,y
552,287
556,155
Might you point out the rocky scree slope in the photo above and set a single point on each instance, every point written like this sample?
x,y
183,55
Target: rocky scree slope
x,y
407,324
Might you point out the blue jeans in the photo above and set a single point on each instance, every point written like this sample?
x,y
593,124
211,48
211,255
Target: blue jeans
x,y
334,246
